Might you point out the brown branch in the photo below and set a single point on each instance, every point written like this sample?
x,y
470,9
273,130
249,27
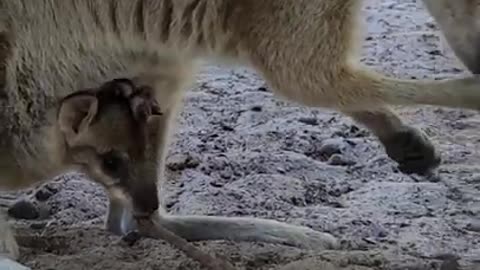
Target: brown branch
x,y
152,229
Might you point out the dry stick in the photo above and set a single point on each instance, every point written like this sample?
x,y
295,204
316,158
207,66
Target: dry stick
x,y
152,229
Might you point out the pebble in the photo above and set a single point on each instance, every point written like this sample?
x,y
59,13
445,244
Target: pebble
x,y
434,178
38,226
379,231
216,184
43,194
23,210
450,265
262,89
226,174
340,160
226,127
473,226
475,178
370,240
256,108
330,147
308,121
131,238
181,162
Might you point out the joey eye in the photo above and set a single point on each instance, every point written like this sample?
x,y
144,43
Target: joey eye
x,y
112,163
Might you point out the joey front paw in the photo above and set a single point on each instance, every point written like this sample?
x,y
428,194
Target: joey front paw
x,y
412,150
121,227
120,220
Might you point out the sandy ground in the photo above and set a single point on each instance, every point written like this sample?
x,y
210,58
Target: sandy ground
x,y
240,151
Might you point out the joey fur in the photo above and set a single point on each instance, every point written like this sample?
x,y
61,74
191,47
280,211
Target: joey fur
x,y
306,50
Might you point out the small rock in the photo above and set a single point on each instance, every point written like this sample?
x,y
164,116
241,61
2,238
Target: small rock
x,y
216,184
308,121
171,204
46,191
450,265
181,162
256,108
339,191
382,234
38,225
297,202
430,25
339,160
379,231
435,52
330,147
473,226
23,210
262,89
226,127
370,240
434,178
43,194
131,238
226,174
475,178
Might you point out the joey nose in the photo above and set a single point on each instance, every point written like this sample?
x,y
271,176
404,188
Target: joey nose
x,y
145,200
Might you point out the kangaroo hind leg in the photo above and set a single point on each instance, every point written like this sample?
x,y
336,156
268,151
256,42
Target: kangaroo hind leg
x,y
405,144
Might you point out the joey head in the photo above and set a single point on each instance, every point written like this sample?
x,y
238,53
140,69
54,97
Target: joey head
x,y
109,134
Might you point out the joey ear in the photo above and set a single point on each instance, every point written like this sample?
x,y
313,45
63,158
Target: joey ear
x,y
76,112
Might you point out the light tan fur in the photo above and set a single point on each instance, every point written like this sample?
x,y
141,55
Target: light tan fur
x,y
459,22
305,49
